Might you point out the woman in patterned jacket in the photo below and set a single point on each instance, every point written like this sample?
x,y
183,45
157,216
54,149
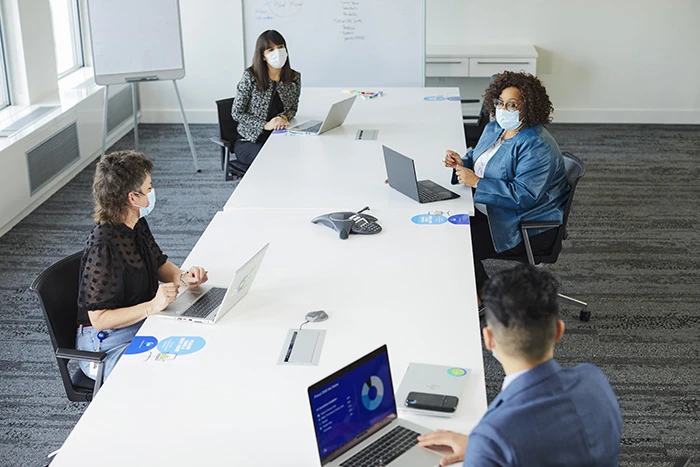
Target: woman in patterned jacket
x,y
267,96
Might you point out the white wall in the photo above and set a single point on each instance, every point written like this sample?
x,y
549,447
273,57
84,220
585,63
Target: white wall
x,y
212,37
601,60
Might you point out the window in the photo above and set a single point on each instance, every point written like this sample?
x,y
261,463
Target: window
x,y
4,88
67,36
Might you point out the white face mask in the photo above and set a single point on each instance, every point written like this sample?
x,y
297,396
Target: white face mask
x,y
508,120
277,58
146,210
493,352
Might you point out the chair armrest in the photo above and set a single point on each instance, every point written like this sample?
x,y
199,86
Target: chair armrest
x,y
221,142
539,225
81,355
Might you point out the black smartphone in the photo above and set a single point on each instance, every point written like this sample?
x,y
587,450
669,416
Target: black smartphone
x,y
436,402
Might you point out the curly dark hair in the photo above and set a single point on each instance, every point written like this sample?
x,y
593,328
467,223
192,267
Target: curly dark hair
x,y
537,108
116,175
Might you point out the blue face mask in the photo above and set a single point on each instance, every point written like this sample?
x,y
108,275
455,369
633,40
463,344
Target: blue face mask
x,y
151,203
508,120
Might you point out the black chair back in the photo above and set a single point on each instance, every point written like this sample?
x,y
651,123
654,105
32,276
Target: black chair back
x,y
228,127
575,169
57,288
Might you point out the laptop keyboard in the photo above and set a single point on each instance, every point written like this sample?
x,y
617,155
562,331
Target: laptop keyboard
x,y
426,195
385,449
205,305
314,128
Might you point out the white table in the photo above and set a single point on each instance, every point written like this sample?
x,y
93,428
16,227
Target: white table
x,y
230,404
334,169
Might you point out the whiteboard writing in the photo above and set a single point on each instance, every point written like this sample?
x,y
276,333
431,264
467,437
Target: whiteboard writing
x,y
350,21
271,9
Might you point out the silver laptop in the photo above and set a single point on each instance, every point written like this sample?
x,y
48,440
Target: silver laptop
x,y
336,116
401,172
355,419
207,304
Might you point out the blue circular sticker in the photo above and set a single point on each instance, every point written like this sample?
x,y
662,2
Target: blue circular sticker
x,y
457,372
181,345
426,219
141,344
459,219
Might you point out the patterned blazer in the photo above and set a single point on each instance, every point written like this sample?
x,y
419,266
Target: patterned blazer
x,y
250,106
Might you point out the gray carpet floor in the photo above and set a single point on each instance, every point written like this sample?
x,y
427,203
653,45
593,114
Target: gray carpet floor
x,y
632,254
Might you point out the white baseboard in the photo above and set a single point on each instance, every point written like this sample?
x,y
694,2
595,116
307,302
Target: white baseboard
x,y
194,116
630,116
66,177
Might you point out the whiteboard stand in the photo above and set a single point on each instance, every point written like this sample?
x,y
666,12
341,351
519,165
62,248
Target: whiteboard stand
x,y
134,106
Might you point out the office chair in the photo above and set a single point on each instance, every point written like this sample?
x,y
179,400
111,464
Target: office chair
x,y
575,169
57,288
682,462
228,135
472,132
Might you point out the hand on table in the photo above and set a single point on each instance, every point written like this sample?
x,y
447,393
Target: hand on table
x,y
167,293
457,442
466,176
277,123
453,160
195,277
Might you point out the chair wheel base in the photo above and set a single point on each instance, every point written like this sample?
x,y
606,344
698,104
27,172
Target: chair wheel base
x,y
584,316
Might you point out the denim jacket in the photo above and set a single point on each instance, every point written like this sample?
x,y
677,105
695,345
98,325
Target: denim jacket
x,y
250,106
524,181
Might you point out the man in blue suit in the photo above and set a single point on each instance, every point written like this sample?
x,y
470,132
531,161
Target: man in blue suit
x,y
544,415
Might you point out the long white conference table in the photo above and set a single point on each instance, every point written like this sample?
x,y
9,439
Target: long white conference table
x,y
336,170
410,287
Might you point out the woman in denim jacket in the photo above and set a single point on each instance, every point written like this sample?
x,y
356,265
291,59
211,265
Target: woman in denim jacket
x,y
516,170
267,96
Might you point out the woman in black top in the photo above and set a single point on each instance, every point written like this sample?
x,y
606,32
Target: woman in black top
x,y
122,264
267,96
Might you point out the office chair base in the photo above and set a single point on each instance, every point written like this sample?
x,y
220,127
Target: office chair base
x,y
584,315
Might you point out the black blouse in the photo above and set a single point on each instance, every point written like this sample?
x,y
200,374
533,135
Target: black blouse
x,y
276,108
119,268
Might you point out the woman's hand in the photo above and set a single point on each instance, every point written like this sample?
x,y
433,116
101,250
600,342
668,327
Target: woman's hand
x,y
277,123
453,160
167,293
466,176
195,277
455,441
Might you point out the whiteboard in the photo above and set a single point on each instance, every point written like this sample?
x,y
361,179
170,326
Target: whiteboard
x,y
347,43
134,40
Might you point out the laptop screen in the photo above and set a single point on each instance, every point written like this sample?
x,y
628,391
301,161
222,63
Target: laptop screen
x,y
351,401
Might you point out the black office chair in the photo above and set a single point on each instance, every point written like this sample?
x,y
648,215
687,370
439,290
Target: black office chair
x,y
57,288
473,131
228,135
575,169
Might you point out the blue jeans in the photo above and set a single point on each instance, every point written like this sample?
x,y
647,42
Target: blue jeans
x,y
114,344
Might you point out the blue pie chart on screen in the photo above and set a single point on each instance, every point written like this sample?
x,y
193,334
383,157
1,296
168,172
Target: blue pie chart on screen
x,y
372,393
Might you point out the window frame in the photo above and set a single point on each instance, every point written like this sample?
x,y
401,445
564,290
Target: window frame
x,y
78,46
5,98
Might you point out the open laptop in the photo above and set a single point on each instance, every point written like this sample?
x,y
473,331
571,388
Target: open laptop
x,y
336,116
355,419
401,171
207,304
